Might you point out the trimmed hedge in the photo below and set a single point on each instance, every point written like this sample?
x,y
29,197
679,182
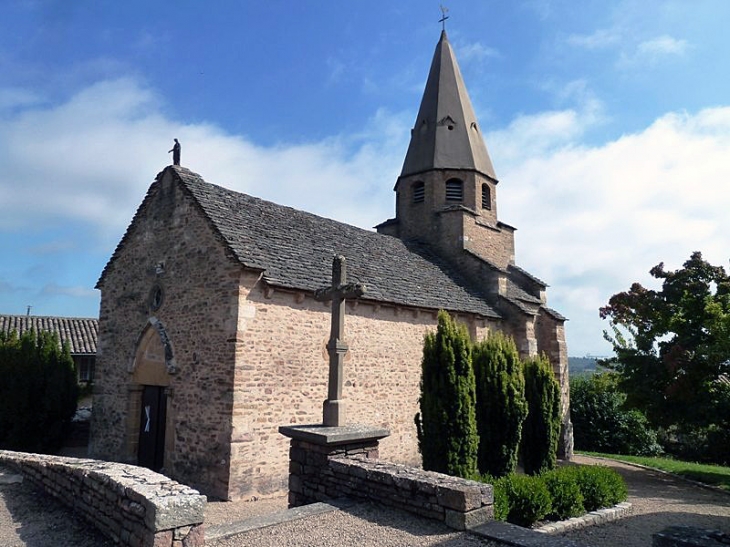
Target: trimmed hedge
x,y
567,498
556,495
600,486
528,499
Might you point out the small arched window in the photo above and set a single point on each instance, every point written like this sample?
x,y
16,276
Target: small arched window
x,y
454,190
486,197
419,191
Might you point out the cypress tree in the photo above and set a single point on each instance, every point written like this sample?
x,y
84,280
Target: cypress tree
x,y
501,405
542,427
37,393
446,425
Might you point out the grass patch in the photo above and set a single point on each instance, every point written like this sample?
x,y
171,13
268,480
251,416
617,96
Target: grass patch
x,y
716,475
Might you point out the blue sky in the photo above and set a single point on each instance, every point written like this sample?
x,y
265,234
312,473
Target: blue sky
x,y
608,124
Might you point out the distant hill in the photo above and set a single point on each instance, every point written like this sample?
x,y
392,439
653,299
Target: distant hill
x,y
580,366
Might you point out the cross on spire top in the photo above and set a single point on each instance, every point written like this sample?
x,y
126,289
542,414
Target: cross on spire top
x,y
444,11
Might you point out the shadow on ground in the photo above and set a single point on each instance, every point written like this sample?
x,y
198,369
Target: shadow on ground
x,y
638,529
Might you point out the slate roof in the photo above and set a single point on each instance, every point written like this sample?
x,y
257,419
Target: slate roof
x,y
294,249
80,332
527,275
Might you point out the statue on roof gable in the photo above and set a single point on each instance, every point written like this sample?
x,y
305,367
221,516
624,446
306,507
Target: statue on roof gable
x,y
175,152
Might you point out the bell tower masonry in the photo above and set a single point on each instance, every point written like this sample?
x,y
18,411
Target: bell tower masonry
x,y
446,194
446,200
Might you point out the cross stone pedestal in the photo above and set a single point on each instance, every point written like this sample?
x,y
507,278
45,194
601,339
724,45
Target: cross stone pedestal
x,y
310,450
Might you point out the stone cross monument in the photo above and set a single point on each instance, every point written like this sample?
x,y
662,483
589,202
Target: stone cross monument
x,y
334,411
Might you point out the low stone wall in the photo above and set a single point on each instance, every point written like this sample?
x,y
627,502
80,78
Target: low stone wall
x,y
459,503
330,463
131,505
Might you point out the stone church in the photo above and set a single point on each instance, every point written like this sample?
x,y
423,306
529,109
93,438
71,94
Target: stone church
x,y
210,337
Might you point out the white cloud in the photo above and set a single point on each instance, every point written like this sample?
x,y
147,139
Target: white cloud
x,y
651,52
534,134
663,45
632,53
591,220
53,289
600,39
15,97
91,159
594,219
475,51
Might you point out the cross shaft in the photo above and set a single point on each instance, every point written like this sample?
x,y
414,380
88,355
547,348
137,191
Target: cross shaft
x,y
338,292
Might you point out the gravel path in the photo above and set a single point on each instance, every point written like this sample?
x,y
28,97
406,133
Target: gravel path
x,y
30,518
364,525
659,501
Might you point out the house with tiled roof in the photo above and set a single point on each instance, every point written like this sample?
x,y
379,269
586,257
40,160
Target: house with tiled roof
x,y
211,336
80,333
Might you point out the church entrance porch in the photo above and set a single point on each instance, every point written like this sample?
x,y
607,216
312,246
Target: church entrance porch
x,y
150,416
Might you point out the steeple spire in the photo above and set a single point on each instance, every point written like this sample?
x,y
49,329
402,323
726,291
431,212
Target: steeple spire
x,y
446,134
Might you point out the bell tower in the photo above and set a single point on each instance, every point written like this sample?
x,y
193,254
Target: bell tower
x,y
446,194
446,199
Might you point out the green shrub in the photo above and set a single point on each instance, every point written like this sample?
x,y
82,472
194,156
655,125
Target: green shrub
x,y
37,393
446,424
501,503
567,499
541,428
501,405
600,486
528,499
602,424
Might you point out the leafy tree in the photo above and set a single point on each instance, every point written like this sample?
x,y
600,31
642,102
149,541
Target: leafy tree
x,y
671,344
501,405
602,424
37,393
541,428
446,425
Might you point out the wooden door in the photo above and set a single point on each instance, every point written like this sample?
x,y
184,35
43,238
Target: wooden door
x,y
152,428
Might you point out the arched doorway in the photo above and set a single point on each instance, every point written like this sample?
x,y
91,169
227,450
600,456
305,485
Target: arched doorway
x,y
150,396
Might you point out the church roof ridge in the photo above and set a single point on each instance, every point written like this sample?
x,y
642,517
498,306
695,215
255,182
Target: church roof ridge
x,y
446,134
294,250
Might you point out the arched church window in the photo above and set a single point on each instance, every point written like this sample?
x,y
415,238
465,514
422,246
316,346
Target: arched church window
x,y
454,190
486,196
419,191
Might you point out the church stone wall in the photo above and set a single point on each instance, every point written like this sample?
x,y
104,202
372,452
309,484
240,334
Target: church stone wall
x,y
171,246
491,242
281,379
551,341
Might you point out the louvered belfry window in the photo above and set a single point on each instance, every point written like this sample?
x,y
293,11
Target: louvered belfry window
x,y
419,192
454,190
486,197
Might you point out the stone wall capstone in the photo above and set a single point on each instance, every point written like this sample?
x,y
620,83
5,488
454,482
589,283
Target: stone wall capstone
x,y
328,463
131,505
